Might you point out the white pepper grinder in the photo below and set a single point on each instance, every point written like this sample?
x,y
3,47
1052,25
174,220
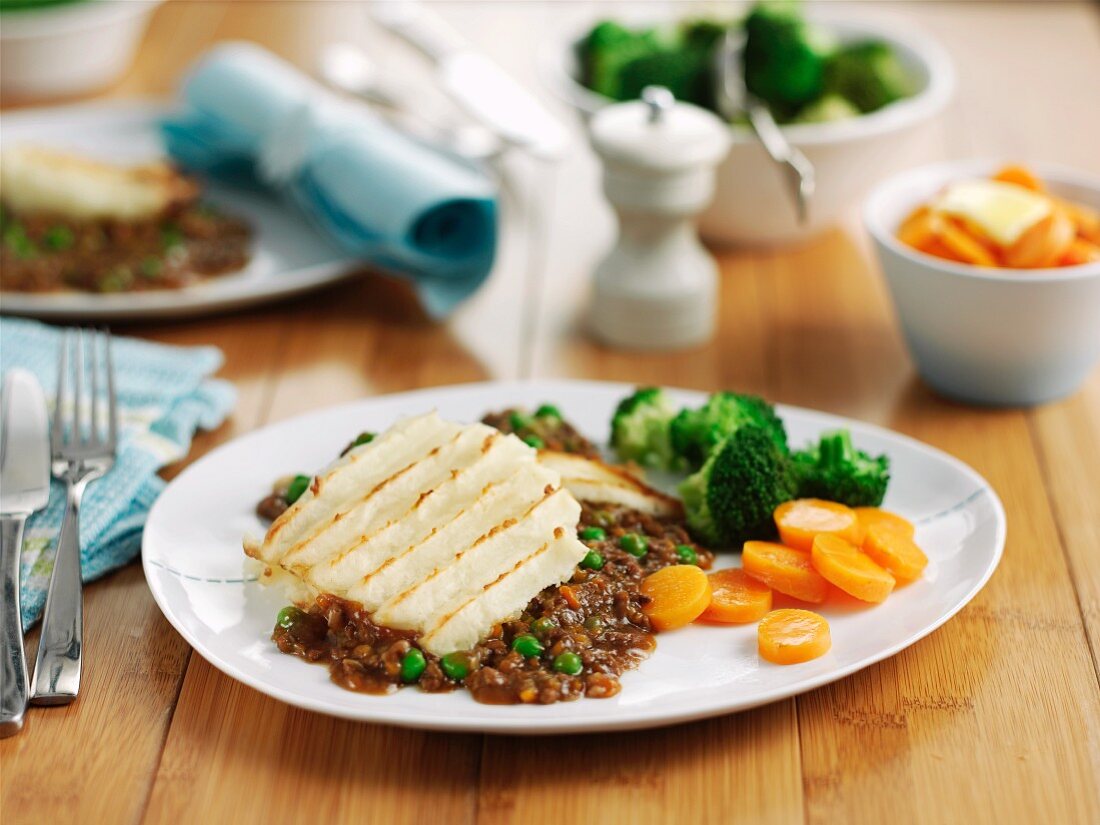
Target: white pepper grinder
x,y
657,288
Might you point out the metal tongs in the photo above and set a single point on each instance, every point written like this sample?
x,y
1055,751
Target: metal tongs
x,y
734,100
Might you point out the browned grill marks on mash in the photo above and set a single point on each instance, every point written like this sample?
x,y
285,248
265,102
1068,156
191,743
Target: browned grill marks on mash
x,y
455,474
608,629
493,531
377,488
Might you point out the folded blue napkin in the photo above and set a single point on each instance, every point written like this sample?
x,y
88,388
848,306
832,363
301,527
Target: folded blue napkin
x,y
394,202
164,394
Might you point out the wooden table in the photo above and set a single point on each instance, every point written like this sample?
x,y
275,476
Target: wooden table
x,y
993,718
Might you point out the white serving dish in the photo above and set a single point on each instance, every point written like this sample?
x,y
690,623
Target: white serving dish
x,y
198,574
991,336
752,203
72,48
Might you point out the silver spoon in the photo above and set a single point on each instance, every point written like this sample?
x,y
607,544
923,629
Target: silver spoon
x,y
347,68
734,100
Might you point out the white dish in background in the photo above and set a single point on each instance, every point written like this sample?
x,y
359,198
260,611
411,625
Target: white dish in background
x,y
70,48
753,204
991,336
289,255
199,577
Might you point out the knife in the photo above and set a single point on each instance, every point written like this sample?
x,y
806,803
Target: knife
x,y
24,489
479,86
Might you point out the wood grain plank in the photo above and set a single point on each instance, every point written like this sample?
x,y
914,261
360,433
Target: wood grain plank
x,y
741,768
133,660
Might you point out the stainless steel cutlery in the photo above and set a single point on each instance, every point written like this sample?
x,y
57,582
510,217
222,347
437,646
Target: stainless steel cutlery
x,y
24,489
84,437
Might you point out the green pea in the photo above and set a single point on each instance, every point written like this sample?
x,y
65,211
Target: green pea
x,y
548,411
295,489
593,534
592,560
634,544
171,236
288,616
17,240
687,554
150,267
413,665
456,665
527,646
58,238
604,518
569,663
518,420
363,438
534,441
593,624
543,626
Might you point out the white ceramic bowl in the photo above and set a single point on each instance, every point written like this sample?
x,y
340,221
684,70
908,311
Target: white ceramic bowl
x,y
71,48
998,337
752,202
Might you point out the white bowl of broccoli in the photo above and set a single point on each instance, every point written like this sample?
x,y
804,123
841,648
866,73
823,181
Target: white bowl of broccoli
x,y
860,99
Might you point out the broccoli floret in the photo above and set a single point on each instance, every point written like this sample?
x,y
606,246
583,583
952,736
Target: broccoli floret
x,y
732,498
868,75
830,108
695,433
835,470
685,72
639,428
784,57
609,47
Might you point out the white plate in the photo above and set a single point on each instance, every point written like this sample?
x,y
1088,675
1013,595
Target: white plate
x,y
289,255
197,572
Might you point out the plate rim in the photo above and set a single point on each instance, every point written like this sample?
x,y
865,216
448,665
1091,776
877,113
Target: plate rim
x,y
547,725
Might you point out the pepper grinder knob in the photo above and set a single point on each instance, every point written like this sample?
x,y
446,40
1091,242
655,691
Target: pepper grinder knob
x,y
657,287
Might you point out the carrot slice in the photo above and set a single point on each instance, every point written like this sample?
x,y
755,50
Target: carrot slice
x,y
1080,252
1021,176
895,550
736,597
677,596
967,245
802,519
875,515
787,637
1085,219
789,571
840,563
1042,244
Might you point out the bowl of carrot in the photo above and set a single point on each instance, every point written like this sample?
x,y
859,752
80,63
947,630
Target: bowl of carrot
x,y
994,272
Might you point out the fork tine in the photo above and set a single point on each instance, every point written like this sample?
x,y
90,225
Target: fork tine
x,y
57,435
77,436
112,406
93,351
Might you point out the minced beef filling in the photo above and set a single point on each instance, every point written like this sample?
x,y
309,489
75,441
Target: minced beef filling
x,y
597,615
45,254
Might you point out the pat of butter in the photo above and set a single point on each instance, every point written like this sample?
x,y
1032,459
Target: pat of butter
x,y
1002,211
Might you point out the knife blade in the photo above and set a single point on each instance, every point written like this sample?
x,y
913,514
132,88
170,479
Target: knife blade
x,y
478,85
24,489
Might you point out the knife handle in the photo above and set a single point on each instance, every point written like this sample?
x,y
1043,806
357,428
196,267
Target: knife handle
x,y
422,29
13,667
60,648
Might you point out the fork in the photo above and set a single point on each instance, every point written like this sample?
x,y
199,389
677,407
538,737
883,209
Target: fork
x,y
82,452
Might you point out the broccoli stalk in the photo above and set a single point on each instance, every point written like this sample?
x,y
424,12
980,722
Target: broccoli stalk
x,y
835,470
731,499
639,428
695,433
